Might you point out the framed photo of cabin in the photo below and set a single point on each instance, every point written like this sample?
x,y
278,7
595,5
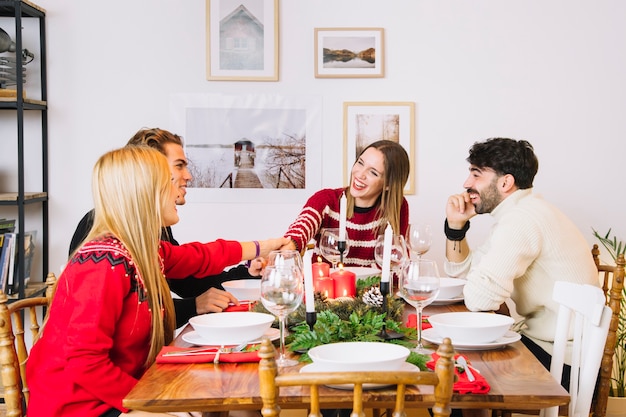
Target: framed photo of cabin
x,y
349,53
368,122
242,40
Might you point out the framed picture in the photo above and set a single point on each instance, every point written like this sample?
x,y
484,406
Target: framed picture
x,y
251,147
242,40
349,53
367,122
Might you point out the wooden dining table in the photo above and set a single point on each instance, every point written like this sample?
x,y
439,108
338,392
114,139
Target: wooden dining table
x,y
518,382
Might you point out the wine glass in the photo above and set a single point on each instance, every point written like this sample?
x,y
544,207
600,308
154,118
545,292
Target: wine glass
x,y
284,258
398,253
329,239
419,238
420,286
281,293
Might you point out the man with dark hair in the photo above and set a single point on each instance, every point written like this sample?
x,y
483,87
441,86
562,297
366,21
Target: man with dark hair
x,y
531,245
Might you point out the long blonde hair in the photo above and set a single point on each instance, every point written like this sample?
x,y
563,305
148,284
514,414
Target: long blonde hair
x,y
397,168
130,187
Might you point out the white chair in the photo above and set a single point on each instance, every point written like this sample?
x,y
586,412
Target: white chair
x,y
584,308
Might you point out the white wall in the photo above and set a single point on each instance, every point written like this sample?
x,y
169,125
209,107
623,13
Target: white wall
x,y
550,71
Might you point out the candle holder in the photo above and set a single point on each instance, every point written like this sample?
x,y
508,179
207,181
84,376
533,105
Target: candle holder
x,y
311,319
384,334
341,247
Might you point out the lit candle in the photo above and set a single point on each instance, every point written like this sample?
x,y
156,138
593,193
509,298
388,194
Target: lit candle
x,y
309,295
320,269
345,282
325,286
386,267
343,203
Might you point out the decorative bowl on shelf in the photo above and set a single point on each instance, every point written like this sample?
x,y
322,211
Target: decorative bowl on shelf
x,y
359,356
244,289
232,328
471,327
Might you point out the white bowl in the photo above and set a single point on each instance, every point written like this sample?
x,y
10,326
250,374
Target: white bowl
x,y
359,356
450,288
244,289
232,328
468,328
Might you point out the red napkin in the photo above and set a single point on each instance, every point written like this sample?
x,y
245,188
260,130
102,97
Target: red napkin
x,y
411,322
205,357
244,305
463,385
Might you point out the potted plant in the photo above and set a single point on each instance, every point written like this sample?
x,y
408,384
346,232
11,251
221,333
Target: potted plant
x,y
617,394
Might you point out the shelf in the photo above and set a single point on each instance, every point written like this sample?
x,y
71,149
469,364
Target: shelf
x,y
7,8
33,289
28,103
27,196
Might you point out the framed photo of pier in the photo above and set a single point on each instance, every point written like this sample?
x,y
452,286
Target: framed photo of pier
x,y
250,147
242,40
349,53
367,122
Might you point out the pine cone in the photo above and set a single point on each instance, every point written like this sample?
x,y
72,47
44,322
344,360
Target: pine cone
x,y
373,297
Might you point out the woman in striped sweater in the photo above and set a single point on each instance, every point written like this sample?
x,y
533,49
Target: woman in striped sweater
x,y
375,196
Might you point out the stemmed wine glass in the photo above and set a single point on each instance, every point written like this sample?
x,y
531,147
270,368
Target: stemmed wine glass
x,y
282,290
328,245
285,257
419,238
398,253
420,286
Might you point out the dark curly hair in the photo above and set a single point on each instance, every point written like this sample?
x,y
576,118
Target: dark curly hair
x,y
506,156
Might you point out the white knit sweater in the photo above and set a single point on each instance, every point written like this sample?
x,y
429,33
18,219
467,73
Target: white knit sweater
x,y
531,246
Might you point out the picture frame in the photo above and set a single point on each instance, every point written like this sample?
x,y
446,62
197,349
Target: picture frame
x,y
349,53
250,147
242,40
367,122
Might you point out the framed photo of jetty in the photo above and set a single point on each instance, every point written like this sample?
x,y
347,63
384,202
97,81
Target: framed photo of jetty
x,y
368,122
349,53
242,40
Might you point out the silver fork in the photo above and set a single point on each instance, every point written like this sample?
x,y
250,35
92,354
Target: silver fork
x,y
203,351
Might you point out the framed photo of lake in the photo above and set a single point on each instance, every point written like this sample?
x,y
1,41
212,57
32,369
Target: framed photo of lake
x,y
349,53
368,122
242,40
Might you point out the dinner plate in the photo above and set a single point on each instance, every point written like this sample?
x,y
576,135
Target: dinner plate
x,y
195,338
313,367
444,301
509,337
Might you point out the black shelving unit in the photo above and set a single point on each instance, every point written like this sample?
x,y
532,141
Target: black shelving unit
x,y
21,10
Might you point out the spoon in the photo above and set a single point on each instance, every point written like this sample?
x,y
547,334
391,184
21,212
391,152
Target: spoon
x,y
463,362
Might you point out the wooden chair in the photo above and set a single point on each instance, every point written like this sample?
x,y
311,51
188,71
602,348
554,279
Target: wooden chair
x,y
442,380
13,349
612,279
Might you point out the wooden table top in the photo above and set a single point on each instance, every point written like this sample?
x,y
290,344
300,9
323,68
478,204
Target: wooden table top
x,y
517,379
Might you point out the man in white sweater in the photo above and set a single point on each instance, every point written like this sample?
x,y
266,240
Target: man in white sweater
x,y
531,245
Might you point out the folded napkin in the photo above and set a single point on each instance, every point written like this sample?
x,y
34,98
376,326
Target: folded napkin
x,y
244,306
463,385
204,357
411,322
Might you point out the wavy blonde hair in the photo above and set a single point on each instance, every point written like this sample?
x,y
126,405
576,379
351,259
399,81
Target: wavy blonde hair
x,y
130,187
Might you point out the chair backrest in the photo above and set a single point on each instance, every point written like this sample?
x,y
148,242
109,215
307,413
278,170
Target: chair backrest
x,y
442,380
612,280
582,307
13,345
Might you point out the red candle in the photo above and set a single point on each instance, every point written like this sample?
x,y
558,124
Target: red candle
x,y
345,282
325,286
320,269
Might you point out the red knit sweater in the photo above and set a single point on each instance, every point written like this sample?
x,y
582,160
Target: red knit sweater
x,y
94,345
322,210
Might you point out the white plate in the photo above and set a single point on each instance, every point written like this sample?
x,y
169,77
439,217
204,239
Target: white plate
x,y
195,338
509,337
313,367
444,301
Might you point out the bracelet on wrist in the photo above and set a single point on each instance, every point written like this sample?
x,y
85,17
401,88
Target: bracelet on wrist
x,y
258,248
455,235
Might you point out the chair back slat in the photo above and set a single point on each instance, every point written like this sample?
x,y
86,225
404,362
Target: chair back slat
x,y
13,345
442,379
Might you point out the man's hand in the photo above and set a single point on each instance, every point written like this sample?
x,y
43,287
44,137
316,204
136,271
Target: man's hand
x,y
214,300
459,210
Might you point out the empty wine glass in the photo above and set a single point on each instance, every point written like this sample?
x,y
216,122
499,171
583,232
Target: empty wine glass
x,y
328,245
285,258
420,286
419,237
398,253
281,293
